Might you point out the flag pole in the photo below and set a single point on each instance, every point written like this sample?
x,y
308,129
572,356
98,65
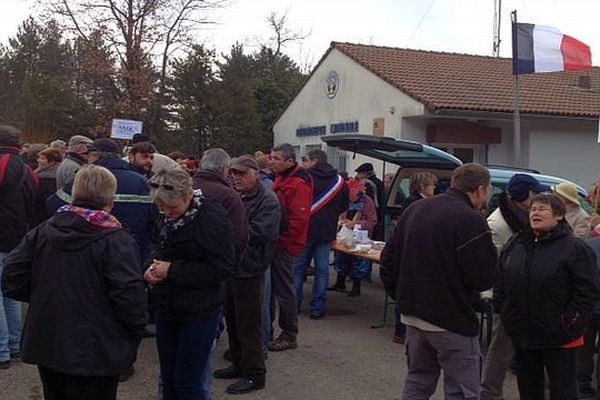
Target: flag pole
x,y
517,114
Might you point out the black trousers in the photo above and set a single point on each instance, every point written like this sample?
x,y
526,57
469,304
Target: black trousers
x,y
560,365
585,358
59,386
243,314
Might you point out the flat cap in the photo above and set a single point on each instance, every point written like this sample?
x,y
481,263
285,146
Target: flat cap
x,y
244,163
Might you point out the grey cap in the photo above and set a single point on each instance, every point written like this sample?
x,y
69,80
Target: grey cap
x,y
79,144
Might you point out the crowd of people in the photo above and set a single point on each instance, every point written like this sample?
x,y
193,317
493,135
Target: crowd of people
x,y
102,244
533,266
164,240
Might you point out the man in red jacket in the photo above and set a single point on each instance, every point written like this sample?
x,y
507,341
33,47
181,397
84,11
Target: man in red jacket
x,y
293,188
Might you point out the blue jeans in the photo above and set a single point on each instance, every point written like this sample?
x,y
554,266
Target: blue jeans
x,y
266,322
319,251
184,351
10,322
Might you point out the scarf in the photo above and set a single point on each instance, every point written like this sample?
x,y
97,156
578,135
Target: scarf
x,y
355,209
171,225
516,218
95,217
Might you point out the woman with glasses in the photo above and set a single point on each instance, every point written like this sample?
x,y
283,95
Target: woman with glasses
x,y
548,288
194,258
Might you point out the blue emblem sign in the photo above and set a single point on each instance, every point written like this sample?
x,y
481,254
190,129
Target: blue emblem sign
x,y
332,85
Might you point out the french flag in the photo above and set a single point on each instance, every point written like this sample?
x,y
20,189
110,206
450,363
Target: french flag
x,y
538,48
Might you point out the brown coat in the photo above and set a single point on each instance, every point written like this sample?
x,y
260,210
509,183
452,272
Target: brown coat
x,y
215,186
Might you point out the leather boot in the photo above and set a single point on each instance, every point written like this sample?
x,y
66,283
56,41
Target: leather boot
x,y
340,284
355,288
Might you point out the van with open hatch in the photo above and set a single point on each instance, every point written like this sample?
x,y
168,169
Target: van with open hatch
x,y
411,157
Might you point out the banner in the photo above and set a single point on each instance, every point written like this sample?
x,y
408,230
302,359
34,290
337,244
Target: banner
x,y
125,128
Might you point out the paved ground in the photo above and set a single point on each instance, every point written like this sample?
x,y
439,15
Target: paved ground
x,y
339,357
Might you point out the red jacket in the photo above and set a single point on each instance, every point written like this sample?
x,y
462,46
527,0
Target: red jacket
x,y
294,191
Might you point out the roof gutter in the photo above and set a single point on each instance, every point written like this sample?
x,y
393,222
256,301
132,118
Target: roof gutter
x,y
501,115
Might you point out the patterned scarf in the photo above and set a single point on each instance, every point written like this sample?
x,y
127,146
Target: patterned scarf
x,y
355,209
95,217
171,225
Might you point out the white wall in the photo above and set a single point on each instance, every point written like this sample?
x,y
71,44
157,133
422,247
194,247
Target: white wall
x,y
362,97
502,153
569,150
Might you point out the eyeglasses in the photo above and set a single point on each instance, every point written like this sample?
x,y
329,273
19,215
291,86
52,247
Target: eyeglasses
x,y
166,186
540,209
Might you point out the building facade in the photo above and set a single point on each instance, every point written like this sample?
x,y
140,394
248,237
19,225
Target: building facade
x,y
463,104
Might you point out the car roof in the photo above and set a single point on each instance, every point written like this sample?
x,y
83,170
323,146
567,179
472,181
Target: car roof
x,y
504,175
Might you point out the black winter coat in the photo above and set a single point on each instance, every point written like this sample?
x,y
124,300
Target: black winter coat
x,y
548,288
87,303
47,187
202,256
264,216
324,223
18,185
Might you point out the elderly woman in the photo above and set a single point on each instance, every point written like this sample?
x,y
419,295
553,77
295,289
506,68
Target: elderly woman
x,y
87,304
48,161
194,258
576,216
548,288
361,211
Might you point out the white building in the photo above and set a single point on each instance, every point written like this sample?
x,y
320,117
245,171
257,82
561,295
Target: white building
x,y
461,103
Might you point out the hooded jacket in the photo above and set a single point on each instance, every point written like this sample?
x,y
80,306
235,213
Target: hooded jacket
x,y
548,287
293,188
87,304
324,222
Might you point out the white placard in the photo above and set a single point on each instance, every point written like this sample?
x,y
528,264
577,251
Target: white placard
x,y
125,128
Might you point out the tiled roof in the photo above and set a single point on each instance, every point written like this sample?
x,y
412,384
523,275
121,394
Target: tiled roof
x,y
468,82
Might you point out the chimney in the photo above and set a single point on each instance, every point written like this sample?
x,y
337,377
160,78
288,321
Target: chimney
x,y
584,82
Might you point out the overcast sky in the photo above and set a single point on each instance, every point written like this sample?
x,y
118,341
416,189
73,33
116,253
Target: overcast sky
x,y
463,26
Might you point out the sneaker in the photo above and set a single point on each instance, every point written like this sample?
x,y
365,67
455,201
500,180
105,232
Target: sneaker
x,y
317,315
5,364
281,344
15,354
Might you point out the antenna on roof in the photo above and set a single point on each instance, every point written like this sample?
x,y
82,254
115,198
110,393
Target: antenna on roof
x,y
497,19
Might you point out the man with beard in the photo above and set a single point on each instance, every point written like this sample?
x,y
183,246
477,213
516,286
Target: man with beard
x,y
141,158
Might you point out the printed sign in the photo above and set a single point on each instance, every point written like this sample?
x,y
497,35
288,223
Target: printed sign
x,y
125,128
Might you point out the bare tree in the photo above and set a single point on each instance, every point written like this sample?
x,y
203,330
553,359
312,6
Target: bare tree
x,y
282,33
141,34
